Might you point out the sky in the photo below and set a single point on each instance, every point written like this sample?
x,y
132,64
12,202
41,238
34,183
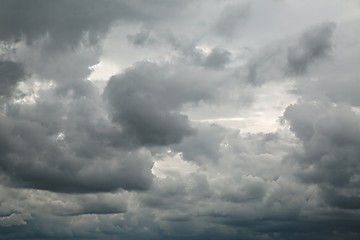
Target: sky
x,y
180,119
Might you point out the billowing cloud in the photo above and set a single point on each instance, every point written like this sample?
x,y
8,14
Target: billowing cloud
x,y
330,136
40,150
179,119
146,101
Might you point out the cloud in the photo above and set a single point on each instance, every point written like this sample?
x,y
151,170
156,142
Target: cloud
x,y
335,80
231,17
70,159
330,136
314,44
11,73
12,220
66,23
141,38
217,58
135,156
60,40
146,101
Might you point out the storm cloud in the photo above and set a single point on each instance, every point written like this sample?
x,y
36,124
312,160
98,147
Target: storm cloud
x,y
11,74
179,119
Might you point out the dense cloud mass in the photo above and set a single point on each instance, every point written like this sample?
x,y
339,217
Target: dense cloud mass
x,y
330,158
11,73
67,22
176,119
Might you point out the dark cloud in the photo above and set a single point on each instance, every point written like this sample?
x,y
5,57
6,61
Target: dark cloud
x,y
11,73
146,100
67,71
63,37
314,44
330,156
253,190
64,157
136,156
335,198
66,23
93,204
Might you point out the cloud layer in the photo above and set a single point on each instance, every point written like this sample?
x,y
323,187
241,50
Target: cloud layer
x,y
179,119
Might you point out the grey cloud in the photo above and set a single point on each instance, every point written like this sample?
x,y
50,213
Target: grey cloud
x,y
145,101
12,220
314,44
230,18
141,38
345,201
67,22
127,163
336,80
254,189
11,73
330,156
50,205
165,194
212,202
68,70
92,204
301,118
340,91
283,58
217,58
204,145
34,156
62,38
263,65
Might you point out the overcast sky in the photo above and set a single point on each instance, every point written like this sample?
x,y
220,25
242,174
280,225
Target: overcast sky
x,y
180,119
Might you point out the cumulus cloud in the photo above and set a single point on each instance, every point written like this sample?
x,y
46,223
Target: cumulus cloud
x,y
61,156
146,101
179,120
330,136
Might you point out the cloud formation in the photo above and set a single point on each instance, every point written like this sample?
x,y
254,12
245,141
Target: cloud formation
x,y
11,74
179,119
313,45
